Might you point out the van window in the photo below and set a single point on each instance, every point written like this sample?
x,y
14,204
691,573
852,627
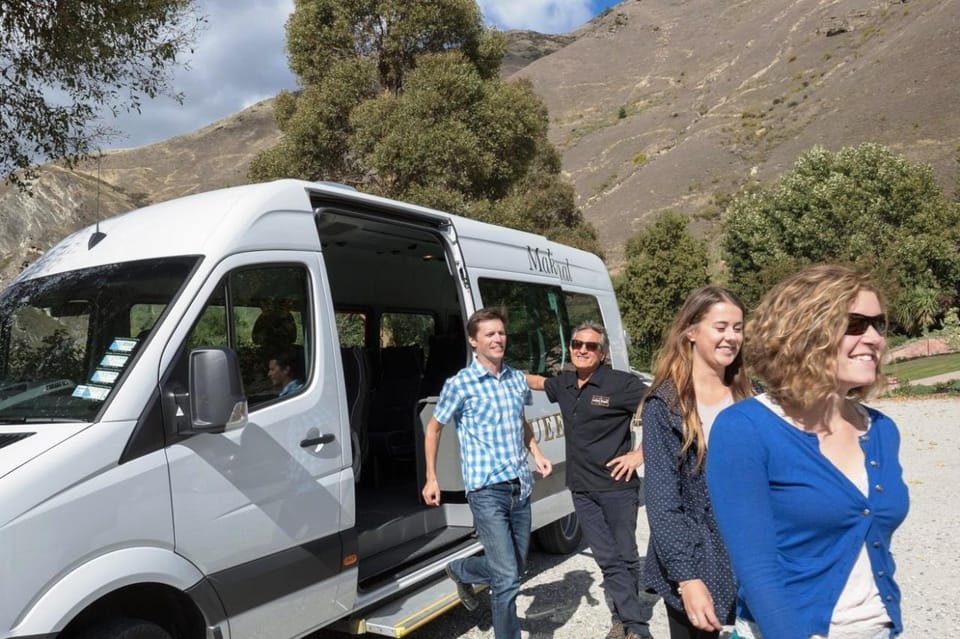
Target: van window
x,y
537,323
352,328
582,308
406,329
263,314
143,317
66,340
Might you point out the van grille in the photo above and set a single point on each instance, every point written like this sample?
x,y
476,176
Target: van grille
x,y
9,438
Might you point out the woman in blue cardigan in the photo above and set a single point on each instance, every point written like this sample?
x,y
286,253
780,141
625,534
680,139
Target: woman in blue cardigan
x,y
805,480
698,373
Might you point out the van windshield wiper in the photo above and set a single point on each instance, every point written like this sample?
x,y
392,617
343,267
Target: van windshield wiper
x,y
38,420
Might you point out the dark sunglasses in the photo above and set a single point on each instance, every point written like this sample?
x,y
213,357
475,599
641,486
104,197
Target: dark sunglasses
x,y
858,324
576,345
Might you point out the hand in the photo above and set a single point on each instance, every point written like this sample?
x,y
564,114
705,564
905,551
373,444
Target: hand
x,y
431,492
544,467
698,604
624,466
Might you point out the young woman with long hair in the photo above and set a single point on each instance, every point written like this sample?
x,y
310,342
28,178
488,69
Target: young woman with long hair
x,y
698,372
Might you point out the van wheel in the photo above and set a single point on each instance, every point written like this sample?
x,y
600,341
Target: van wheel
x,y
561,537
126,629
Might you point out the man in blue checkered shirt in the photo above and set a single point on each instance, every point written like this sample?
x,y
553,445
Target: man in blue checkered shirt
x,y
487,400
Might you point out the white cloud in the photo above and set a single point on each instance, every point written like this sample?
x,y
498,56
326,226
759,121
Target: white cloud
x,y
545,16
239,59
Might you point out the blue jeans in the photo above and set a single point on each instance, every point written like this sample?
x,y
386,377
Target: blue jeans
x,y
502,521
608,519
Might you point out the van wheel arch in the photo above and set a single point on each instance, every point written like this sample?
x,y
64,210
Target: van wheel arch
x,y
141,611
560,537
126,629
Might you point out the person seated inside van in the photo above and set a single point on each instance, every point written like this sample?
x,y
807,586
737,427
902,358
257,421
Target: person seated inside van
x,y
286,370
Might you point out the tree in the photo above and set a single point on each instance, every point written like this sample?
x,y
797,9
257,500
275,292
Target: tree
x,y
63,63
664,262
403,99
918,309
863,206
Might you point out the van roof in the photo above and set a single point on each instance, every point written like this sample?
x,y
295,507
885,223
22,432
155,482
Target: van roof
x,y
231,219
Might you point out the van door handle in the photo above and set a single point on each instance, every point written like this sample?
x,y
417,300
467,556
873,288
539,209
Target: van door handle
x,y
317,441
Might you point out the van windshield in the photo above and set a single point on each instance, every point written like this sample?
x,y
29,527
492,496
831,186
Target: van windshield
x,y
67,339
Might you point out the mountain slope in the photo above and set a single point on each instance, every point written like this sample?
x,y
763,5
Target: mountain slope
x,y
655,105
716,94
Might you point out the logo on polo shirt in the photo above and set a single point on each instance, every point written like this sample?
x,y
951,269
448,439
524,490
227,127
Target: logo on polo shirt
x,y
600,400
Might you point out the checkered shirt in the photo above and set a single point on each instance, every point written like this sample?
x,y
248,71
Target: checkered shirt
x,y
489,413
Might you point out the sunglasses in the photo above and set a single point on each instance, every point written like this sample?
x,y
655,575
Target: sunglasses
x,y
576,345
858,324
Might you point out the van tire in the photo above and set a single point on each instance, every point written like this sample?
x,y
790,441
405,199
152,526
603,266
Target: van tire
x,y
561,537
126,629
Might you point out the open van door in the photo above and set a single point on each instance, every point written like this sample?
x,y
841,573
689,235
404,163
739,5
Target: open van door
x,y
265,508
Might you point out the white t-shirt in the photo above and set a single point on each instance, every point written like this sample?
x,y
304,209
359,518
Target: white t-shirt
x,y
708,414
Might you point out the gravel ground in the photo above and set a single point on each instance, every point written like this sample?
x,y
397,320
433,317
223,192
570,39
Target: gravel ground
x,y
561,596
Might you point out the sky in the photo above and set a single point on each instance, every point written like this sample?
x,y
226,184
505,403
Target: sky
x,y
239,59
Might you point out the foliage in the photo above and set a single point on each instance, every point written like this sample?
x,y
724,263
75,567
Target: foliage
x,y
950,329
351,327
62,63
863,206
389,33
406,329
664,263
918,309
57,356
943,388
403,99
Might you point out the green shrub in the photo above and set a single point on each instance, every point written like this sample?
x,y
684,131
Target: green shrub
x,y
911,390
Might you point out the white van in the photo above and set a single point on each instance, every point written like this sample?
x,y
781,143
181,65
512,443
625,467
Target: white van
x,y
154,481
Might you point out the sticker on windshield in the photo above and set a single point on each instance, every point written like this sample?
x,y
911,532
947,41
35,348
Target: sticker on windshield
x,y
103,376
123,344
97,393
111,360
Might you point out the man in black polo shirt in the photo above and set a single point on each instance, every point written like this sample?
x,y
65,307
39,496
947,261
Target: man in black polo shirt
x,y
597,404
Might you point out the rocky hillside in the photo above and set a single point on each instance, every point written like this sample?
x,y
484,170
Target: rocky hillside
x,y
673,104
62,201
655,105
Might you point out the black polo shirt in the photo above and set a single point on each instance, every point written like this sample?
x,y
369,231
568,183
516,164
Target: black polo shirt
x,y
596,423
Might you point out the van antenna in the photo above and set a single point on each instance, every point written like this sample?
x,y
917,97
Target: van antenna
x,y
97,235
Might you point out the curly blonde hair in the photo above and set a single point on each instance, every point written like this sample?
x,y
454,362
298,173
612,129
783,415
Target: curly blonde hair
x,y
674,363
792,340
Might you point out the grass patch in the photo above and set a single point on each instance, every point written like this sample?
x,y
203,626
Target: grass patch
x,y
945,388
922,367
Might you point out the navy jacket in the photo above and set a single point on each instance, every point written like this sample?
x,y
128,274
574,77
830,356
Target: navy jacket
x,y
684,540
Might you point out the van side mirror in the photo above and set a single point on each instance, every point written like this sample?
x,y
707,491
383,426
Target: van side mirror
x,y
217,400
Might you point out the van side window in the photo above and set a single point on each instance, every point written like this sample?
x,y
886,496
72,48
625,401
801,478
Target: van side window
x,y
406,329
263,314
352,327
582,308
537,323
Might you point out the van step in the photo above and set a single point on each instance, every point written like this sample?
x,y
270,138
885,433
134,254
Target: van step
x,y
399,617
376,563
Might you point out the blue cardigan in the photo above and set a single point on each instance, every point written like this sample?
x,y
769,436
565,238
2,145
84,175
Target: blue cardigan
x,y
794,524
